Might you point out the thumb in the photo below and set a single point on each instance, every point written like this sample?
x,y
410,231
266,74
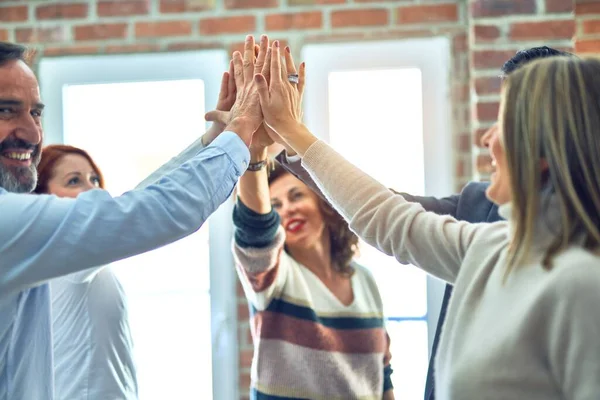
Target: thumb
x,y
217,116
262,89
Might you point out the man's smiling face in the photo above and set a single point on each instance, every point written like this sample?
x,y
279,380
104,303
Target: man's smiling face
x,y
20,127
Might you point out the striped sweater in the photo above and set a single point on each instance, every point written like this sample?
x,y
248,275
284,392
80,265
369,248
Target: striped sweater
x,y
307,344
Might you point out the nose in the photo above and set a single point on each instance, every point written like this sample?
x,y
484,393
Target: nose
x,y
88,186
487,137
29,130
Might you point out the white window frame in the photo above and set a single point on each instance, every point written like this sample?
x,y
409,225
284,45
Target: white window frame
x,y
432,57
207,65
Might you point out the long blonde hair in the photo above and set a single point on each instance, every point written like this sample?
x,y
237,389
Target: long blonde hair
x,y
551,115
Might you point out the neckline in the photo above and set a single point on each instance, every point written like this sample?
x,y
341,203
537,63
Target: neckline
x,y
329,292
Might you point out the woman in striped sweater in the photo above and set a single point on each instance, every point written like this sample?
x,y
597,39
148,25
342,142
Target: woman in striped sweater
x,y
316,316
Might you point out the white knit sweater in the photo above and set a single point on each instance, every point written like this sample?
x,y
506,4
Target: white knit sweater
x,y
535,336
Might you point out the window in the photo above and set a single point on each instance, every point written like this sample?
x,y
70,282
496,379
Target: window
x,y
367,100
133,114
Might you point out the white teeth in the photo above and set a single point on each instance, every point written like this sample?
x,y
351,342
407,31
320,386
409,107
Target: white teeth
x,y
18,156
293,225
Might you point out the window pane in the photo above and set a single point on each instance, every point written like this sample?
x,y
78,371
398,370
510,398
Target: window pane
x,y
376,121
167,289
409,357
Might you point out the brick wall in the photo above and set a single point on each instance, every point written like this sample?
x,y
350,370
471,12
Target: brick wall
x,y
587,17
484,33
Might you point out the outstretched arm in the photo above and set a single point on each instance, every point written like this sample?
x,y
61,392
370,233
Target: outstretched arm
x,y
442,206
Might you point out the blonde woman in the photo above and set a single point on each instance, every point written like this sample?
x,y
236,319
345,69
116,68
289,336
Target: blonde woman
x,y
523,322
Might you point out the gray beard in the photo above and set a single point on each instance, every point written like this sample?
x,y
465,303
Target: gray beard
x,y
18,180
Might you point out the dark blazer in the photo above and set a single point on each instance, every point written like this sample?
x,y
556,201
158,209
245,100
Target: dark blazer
x,y
470,205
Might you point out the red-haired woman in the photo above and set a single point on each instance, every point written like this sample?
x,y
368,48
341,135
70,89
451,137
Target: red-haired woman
x,y
91,338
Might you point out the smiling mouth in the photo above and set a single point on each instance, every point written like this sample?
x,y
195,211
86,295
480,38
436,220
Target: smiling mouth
x,y
15,157
294,226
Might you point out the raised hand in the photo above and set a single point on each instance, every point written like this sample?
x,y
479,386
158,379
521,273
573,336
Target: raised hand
x,y
281,102
280,99
224,103
245,115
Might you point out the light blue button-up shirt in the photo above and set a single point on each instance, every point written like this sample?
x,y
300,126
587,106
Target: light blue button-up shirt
x,y
44,237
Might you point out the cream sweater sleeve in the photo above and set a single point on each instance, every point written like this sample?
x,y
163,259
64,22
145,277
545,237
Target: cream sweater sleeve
x,y
385,220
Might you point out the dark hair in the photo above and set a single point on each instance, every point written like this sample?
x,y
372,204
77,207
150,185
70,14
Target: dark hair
x,y
12,52
344,243
525,56
51,155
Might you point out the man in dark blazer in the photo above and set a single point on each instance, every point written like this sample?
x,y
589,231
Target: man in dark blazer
x,y
470,205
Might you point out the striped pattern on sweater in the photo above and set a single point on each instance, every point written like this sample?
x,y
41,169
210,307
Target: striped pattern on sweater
x,y
308,345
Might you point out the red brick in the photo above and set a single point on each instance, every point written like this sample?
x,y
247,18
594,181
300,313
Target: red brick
x,y
4,35
132,48
564,29
587,46
180,46
491,59
460,43
243,312
301,20
591,26
217,26
460,168
502,8
427,13
487,111
464,143
364,17
62,11
123,8
100,31
75,50
13,14
163,28
181,6
245,4
40,35
398,34
314,2
485,33
461,92
587,8
484,164
246,358
559,6
239,290
245,381
487,85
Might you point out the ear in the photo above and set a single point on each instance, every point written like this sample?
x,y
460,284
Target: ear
x,y
544,165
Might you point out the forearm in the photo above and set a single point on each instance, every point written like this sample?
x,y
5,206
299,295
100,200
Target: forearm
x,y
389,395
295,168
253,187
70,235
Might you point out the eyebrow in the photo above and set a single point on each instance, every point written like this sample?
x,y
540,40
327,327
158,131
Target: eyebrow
x,y
19,103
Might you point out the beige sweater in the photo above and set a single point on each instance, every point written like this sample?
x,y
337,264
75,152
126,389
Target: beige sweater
x,y
534,337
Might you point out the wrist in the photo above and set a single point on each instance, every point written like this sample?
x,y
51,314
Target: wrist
x,y
211,134
243,128
258,154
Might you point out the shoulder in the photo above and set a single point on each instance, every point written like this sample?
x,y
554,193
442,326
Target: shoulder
x,y
475,191
575,278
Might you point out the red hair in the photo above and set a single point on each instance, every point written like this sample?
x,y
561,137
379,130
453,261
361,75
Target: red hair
x,y
51,155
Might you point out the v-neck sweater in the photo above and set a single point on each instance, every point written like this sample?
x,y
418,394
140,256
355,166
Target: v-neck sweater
x,y
307,344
